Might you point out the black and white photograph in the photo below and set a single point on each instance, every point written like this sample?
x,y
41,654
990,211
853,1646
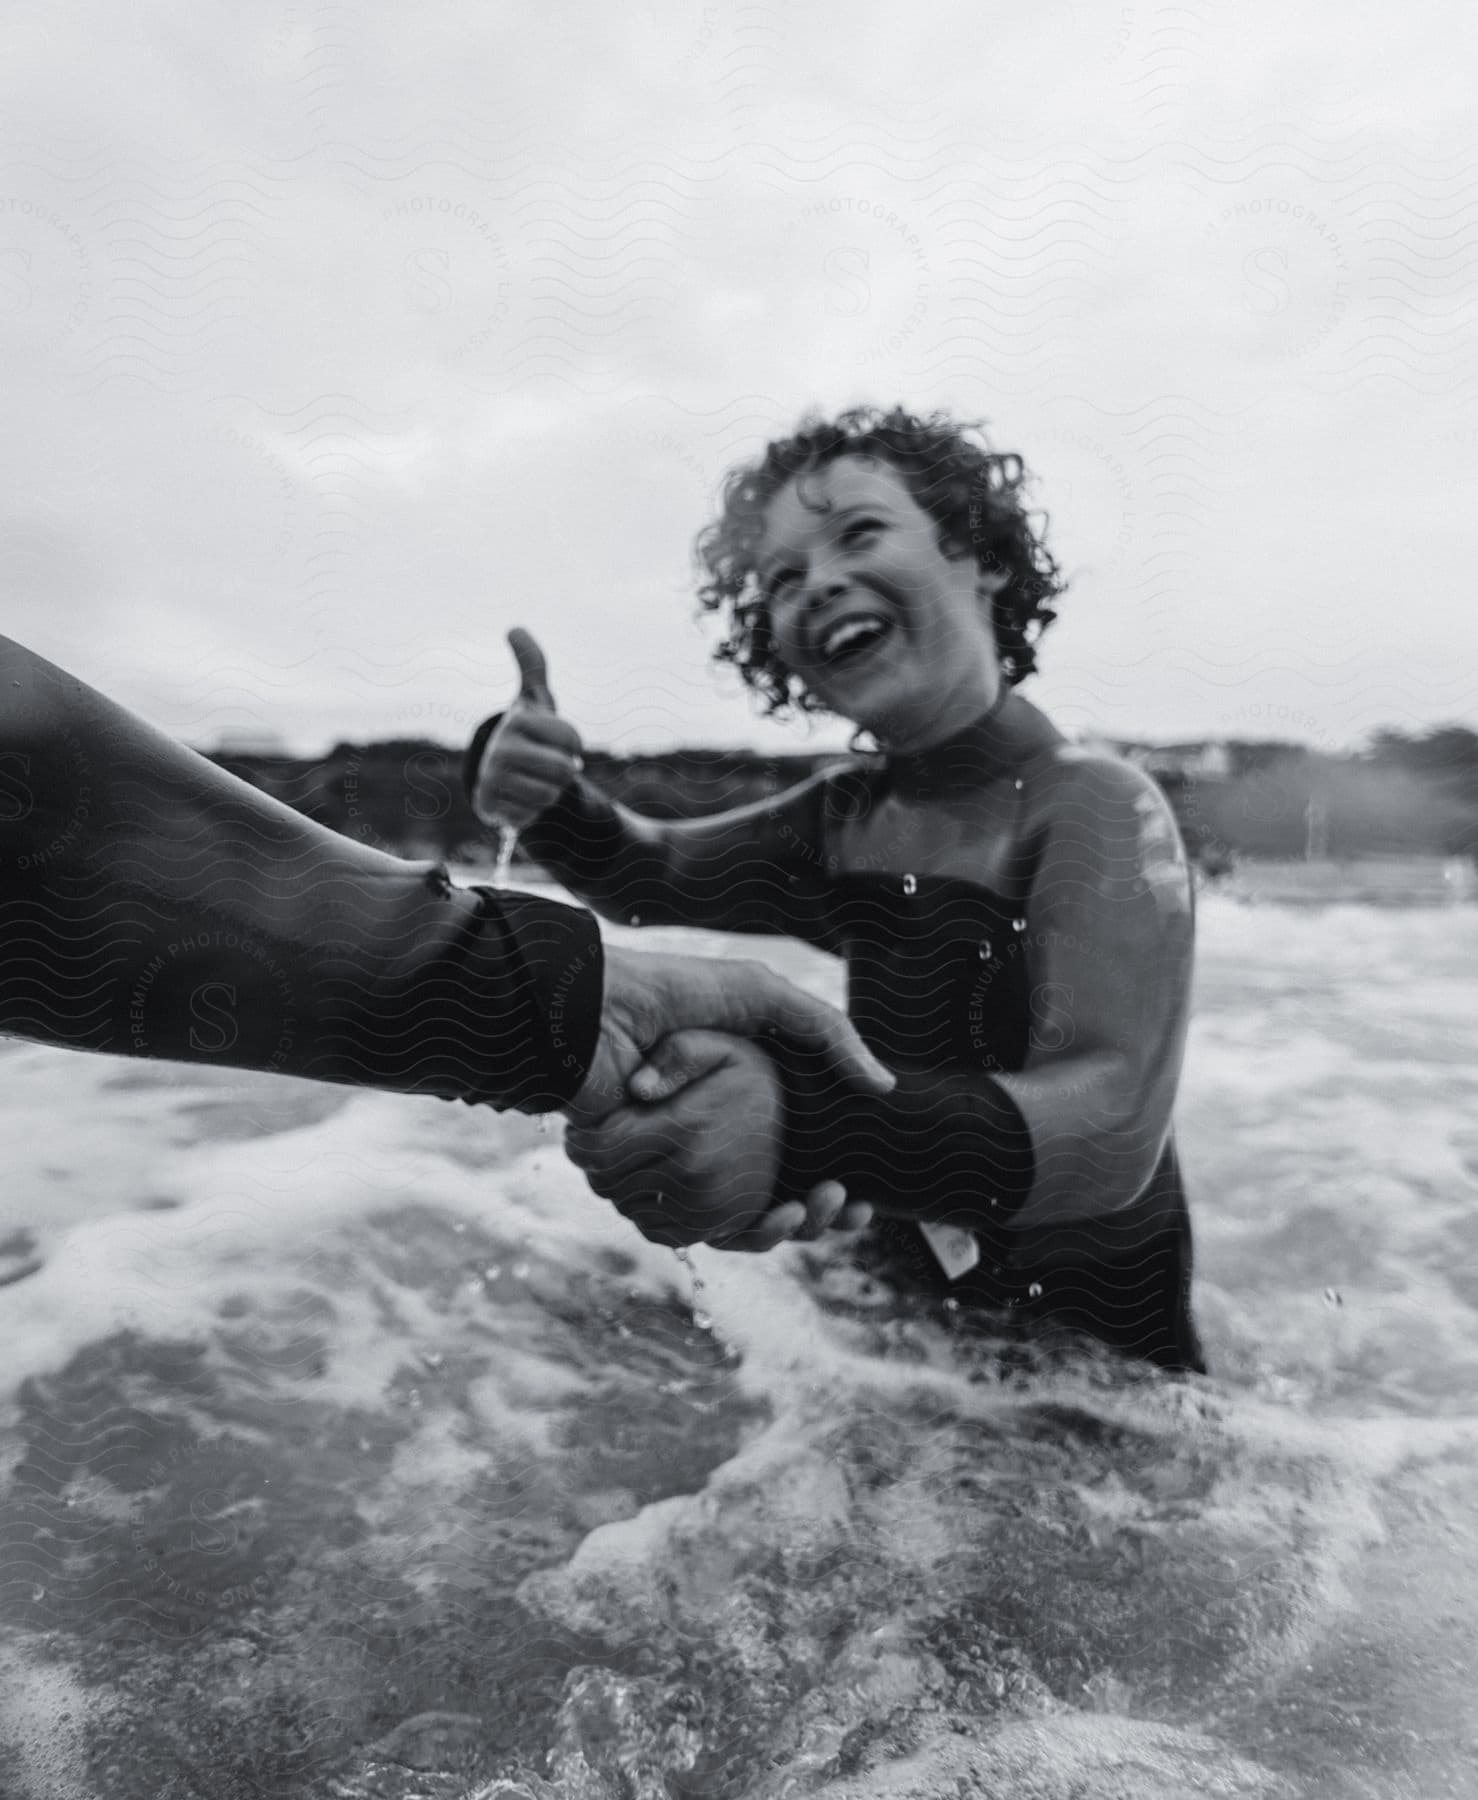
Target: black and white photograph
x,y
738,901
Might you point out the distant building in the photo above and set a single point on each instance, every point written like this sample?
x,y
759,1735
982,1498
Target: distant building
x,y
1205,761
250,740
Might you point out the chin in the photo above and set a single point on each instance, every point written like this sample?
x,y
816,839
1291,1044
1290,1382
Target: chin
x,y
878,712
891,730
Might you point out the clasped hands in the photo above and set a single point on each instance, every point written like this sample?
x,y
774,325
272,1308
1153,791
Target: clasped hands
x,y
680,1123
680,1120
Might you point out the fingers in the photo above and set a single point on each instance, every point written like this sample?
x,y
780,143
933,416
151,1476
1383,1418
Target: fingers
x,y
625,1146
658,1217
680,1059
622,1169
823,1208
660,1221
515,801
533,671
776,1227
530,760
761,1004
652,996
827,1208
536,732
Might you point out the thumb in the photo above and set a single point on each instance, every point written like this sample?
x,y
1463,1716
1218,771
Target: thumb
x,y
753,1001
680,1059
533,671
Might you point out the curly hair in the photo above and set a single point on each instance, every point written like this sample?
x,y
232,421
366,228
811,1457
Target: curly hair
x,y
974,494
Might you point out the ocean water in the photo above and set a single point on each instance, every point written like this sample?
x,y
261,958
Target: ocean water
x,y
350,1447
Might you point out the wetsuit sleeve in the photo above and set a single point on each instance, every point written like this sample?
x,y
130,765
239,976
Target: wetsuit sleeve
x,y
153,905
755,868
950,1148
1078,1131
1109,943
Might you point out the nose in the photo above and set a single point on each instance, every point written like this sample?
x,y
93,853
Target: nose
x,y
825,581
807,595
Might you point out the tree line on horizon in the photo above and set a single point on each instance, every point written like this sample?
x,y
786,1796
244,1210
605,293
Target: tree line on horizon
x,y
1402,794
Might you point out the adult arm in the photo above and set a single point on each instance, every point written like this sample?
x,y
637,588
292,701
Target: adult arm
x,y
1078,1131
151,904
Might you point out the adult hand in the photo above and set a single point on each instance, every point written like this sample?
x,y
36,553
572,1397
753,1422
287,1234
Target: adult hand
x,y
675,1064
647,998
700,1166
534,754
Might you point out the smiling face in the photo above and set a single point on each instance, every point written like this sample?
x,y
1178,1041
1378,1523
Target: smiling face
x,y
881,624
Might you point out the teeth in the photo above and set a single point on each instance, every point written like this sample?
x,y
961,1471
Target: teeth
x,y
848,634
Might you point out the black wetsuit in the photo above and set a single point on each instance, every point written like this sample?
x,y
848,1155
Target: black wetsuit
x,y
153,905
1015,915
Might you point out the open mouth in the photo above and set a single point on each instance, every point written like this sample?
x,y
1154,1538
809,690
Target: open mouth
x,y
851,637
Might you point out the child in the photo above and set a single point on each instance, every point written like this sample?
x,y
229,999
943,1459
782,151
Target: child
x,y
1014,912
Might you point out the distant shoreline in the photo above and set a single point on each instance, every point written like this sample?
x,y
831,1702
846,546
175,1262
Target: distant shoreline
x,y
1269,802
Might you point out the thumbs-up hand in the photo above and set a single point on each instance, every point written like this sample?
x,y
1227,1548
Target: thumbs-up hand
x,y
534,754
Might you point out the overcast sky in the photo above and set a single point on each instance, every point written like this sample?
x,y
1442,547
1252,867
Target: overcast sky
x,y
335,340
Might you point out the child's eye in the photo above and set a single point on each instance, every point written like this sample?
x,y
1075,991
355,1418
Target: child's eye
x,y
859,526
781,579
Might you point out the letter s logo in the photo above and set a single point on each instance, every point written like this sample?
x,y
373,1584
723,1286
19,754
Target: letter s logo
x,y
1269,295
17,802
211,1509
846,268
437,801
16,291
1052,1020
213,1004
427,286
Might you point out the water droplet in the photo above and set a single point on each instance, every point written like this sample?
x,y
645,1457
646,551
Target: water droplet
x,y
910,884
38,1592
1018,784
685,1256
491,1272
413,1398
1034,1292
1333,1297
1018,924
433,1359
507,843
983,950
636,918
520,1271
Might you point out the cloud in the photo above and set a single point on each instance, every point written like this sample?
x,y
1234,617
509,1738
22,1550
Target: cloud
x,y
337,344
